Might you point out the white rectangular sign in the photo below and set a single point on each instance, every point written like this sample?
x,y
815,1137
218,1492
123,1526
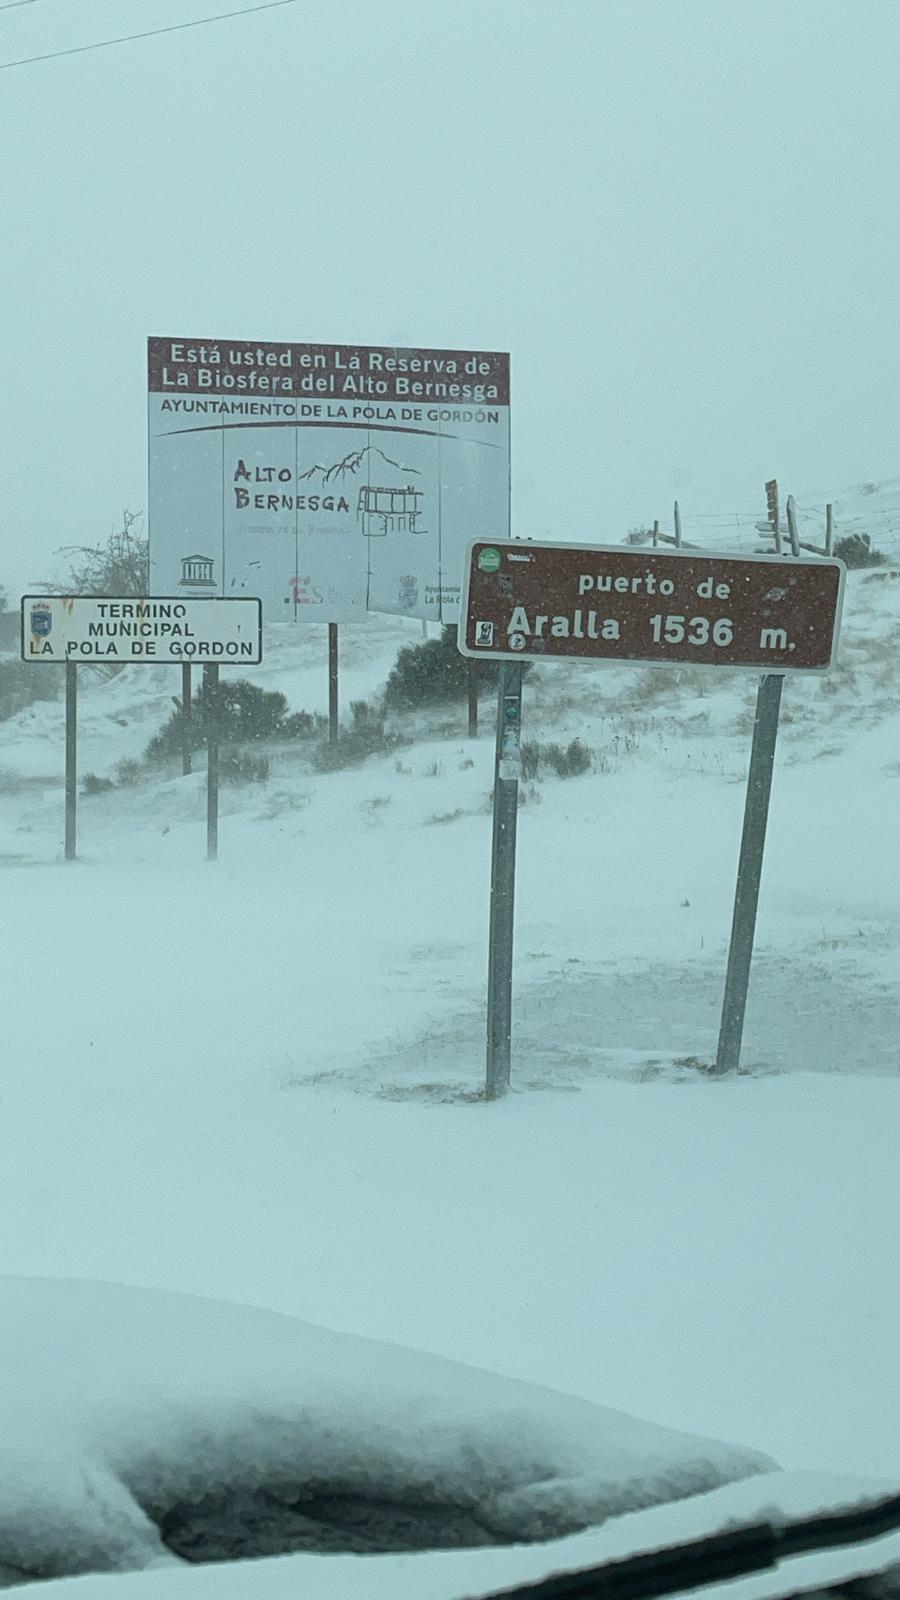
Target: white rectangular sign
x,y
155,631
327,479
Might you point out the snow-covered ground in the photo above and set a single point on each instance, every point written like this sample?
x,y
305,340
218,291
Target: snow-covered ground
x,y
259,1079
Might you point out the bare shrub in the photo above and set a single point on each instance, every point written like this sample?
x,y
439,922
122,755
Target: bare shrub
x,y
567,761
243,767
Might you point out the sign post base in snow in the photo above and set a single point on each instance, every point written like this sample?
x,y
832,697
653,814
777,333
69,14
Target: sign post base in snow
x,y
507,768
71,757
211,685
746,898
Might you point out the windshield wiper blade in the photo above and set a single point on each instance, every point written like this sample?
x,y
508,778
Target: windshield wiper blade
x,y
717,1558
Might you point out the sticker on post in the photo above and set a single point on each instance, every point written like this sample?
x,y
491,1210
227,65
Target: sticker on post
x,y
509,766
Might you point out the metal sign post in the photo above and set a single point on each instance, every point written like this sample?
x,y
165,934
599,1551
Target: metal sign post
x,y
71,757
333,727
472,695
211,687
185,721
507,768
746,899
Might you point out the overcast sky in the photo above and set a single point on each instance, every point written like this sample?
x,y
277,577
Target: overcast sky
x,y
679,216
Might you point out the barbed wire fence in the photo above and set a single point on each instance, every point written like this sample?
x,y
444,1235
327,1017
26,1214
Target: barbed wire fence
x,y
748,532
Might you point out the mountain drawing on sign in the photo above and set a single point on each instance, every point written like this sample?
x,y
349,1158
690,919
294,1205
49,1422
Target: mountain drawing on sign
x,y
381,508
351,464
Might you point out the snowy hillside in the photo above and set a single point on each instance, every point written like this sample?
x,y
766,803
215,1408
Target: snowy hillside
x,y
260,1079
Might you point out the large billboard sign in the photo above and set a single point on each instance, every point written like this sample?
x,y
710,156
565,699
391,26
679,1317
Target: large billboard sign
x,y
153,632
609,603
326,479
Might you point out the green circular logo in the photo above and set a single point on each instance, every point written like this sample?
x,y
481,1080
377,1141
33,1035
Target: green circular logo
x,y
489,559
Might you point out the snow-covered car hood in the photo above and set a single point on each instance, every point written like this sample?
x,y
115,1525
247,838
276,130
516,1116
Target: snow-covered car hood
x,y
136,1425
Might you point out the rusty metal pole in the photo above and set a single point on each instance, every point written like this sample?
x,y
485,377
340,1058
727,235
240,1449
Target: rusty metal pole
x,y
776,526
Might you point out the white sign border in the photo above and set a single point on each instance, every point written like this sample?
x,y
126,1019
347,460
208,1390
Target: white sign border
x,y
141,661
493,654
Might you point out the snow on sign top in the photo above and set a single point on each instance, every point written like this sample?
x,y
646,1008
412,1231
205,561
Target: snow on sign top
x,y
150,631
609,603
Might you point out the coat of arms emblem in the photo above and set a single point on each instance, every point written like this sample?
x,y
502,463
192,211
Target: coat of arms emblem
x,y
409,591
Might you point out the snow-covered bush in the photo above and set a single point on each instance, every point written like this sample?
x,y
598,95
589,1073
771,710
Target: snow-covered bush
x,y
856,551
303,725
366,736
92,784
567,761
22,683
243,766
236,712
432,673
129,771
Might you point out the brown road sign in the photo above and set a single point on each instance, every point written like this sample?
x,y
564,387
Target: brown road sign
x,y
615,603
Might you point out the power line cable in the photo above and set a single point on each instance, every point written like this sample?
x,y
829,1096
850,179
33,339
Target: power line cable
x,y
175,27
12,4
